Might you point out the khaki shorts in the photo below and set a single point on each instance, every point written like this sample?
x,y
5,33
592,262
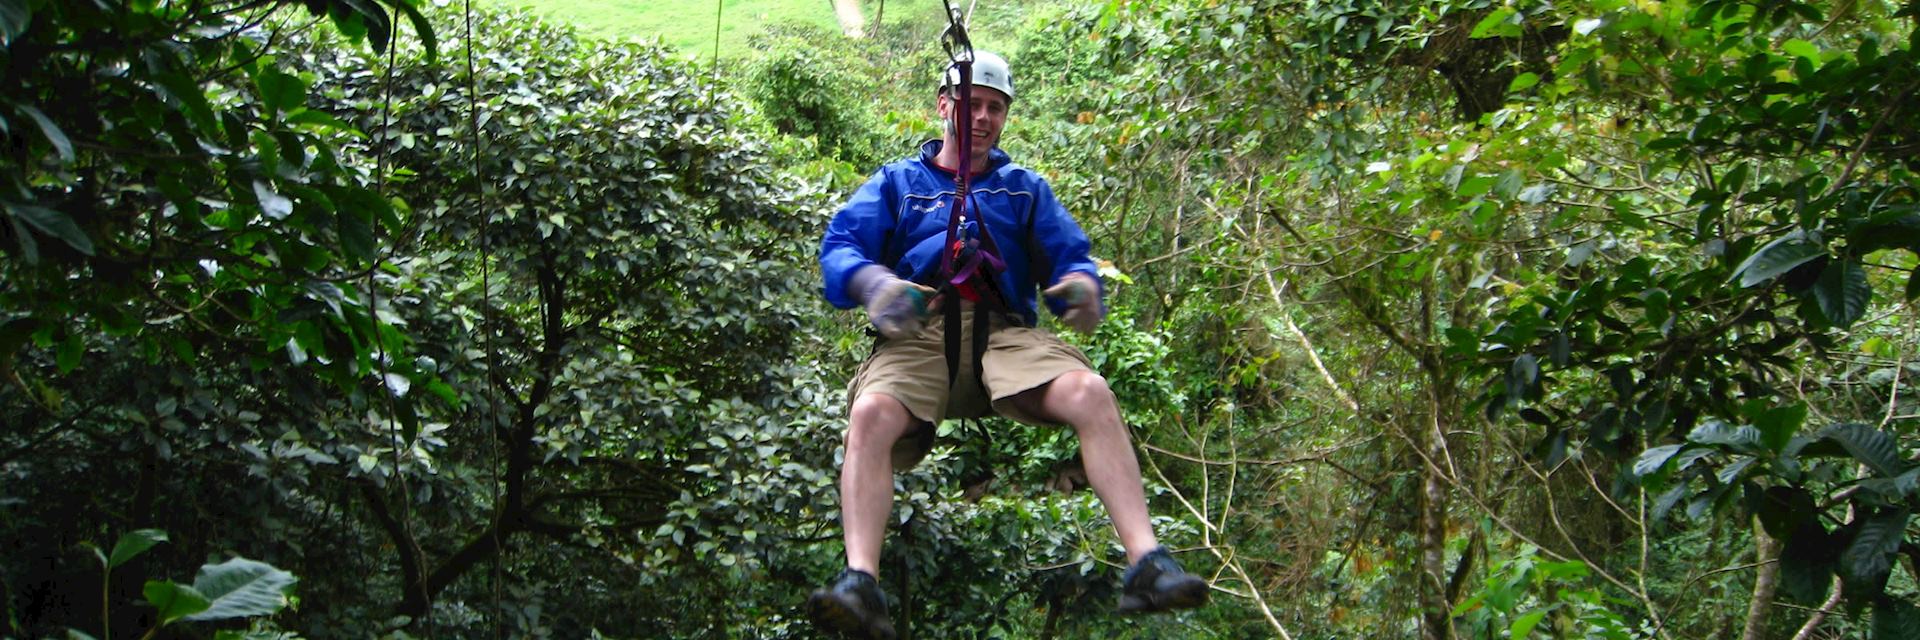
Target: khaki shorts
x,y
914,372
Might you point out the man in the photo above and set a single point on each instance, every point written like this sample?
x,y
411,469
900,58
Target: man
x,y
883,250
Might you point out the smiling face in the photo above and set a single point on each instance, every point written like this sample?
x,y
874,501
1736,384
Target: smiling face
x,y
988,118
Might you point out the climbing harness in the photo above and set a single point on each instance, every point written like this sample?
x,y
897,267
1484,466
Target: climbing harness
x,y
970,263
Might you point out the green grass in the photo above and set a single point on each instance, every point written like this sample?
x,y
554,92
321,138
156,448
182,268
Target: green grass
x,y
688,25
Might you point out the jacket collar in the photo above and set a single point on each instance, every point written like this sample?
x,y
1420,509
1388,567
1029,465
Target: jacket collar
x,y
931,149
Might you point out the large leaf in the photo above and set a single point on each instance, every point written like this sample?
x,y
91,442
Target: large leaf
x,y
1521,376
1843,292
51,131
29,248
1782,511
241,588
133,544
428,41
1523,626
1899,228
1895,619
13,335
1665,502
379,28
1868,558
281,91
1870,446
53,223
174,600
1652,460
1715,432
1807,562
1778,425
1778,257
14,16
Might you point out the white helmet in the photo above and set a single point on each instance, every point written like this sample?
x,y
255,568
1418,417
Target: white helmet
x,y
989,70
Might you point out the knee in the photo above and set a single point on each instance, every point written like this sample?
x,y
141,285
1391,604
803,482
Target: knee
x,y
1085,392
874,422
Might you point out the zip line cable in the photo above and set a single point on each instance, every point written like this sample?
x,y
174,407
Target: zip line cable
x,y
491,412
380,346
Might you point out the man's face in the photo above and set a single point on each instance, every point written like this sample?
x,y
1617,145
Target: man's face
x,y
988,118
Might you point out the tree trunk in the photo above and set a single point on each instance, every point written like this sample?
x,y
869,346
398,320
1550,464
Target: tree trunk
x,y
1435,622
1766,581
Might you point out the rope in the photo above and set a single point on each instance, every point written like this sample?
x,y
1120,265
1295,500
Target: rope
x,y
719,9
380,340
960,51
491,417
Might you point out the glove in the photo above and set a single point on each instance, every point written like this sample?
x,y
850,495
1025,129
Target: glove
x,y
896,307
1081,293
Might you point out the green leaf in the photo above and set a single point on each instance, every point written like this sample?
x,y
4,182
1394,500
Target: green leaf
x,y
13,335
274,205
1522,375
1665,502
51,131
428,41
192,99
174,600
1801,48
374,20
1898,229
1523,82
29,248
240,588
1782,511
133,544
1778,257
1869,557
356,235
1524,625
14,16
398,384
1717,432
1779,424
1652,460
1843,292
53,223
1870,446
1734,471
1895,619
1502,22
281,91
68,357
1807,563
322,120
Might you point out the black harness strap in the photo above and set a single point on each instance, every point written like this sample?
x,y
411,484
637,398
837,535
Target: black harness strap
x,y
966,263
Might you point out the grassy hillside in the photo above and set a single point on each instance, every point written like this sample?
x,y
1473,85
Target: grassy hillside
x,y
688,25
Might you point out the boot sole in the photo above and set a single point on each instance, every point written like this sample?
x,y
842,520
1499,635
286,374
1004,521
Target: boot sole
x,y
1185,596
831,615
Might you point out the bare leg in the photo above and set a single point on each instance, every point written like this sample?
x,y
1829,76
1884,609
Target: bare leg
x,y
1082,399
866,477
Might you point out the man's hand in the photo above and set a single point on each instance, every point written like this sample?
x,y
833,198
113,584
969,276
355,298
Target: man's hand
x,y
896,307
1081,294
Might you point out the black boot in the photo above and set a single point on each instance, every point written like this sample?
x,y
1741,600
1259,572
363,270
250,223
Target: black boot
x,y
852,606
1156,583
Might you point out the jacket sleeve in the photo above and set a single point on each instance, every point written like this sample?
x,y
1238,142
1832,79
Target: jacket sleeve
x,y
1065,246
854,238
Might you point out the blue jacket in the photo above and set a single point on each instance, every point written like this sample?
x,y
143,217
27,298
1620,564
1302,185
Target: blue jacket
x,y
899,219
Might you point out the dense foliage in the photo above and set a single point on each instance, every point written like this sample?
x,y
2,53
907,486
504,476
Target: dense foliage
x,y
1447,318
